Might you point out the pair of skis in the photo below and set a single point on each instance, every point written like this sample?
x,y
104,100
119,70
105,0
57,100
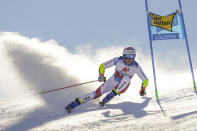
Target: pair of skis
x,y
69,110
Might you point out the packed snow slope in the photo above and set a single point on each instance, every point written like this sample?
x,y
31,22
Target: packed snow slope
x,y
29,66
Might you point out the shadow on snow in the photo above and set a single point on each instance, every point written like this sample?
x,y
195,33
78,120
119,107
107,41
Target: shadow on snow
x,y
129,108
183,115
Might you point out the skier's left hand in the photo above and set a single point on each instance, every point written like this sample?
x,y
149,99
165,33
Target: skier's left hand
x,y
142,92
143,88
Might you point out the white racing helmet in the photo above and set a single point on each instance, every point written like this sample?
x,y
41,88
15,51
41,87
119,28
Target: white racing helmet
x,y
129,53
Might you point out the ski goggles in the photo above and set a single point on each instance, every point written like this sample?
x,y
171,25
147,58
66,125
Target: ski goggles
x,y
129,56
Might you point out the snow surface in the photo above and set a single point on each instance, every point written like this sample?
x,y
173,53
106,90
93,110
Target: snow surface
x,y
29,66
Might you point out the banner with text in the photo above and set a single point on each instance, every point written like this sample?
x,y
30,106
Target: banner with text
x,y
166,27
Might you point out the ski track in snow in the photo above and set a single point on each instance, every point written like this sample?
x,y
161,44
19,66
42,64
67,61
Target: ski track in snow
x,y
28,69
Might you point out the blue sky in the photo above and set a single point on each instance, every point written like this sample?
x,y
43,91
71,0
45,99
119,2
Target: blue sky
x,y
99,23
73,22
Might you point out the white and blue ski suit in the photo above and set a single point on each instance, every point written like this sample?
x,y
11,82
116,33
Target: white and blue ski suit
x,y
119,82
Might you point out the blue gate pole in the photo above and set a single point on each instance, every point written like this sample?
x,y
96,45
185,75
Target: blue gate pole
x,y
151,49
187,45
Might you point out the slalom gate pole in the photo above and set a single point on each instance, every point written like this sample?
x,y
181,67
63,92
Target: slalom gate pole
x,y
68,86
187,45
151,49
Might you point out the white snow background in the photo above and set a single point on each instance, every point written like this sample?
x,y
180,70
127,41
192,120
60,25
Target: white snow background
x,y
29,66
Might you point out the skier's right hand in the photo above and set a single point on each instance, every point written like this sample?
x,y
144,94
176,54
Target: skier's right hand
x,y
101,78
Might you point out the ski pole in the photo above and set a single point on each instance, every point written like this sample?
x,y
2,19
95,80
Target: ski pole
x,y
68,86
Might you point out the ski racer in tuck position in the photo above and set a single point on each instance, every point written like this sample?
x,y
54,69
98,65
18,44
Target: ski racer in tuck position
x,y
118,83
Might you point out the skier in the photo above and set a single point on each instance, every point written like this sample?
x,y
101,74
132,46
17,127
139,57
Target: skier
x,y
125,68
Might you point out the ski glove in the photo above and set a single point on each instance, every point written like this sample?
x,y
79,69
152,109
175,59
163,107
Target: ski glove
x,y
142,92
143,87
101,78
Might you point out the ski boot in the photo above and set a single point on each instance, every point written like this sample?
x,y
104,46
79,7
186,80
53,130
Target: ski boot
x,y
67,109
102,103
72,105
108,98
